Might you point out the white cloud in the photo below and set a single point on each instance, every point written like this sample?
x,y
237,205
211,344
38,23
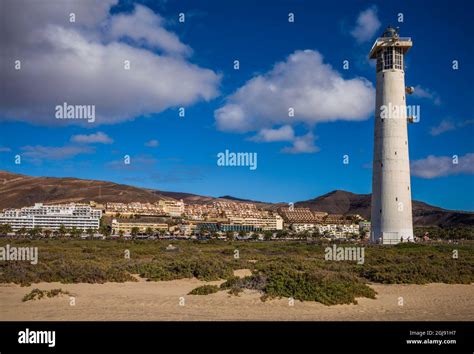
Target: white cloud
x,y
315,91
5,149
98,137
38,153
422,92
367,25
443,127
152,143
284,133
143,26
447,125
304,83
83,62
302,144
440,166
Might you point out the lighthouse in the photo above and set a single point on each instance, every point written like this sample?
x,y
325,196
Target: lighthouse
x,y
391,210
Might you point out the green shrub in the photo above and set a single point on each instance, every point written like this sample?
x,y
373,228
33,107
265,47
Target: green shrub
x,y
37,294
288,269
204,290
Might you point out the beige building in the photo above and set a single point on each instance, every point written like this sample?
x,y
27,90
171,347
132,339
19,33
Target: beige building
x,y
172,207
270,222
126,226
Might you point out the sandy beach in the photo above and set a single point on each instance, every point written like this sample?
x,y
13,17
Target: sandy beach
x,y
168,300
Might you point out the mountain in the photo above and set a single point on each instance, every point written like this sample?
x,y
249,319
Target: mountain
x,y
339,202
20,190
342,202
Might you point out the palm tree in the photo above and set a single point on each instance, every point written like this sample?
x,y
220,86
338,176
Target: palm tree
x,y
105,230
47,233
5,229
121,233
149,231
34,232
74,232
62,230
229,235
134,232
22,232
267,235
90,232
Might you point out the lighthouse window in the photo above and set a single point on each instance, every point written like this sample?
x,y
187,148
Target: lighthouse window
x,y
395,152
380,211
398,58
408,187
388,59
379,61
396,199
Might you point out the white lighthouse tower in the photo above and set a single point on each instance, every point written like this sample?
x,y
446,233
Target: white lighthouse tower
x,y
391,219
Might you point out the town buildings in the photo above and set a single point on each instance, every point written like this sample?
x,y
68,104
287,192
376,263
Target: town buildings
x,y
179,219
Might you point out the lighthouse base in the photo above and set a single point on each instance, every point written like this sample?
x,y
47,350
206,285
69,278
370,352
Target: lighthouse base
x,y
393,238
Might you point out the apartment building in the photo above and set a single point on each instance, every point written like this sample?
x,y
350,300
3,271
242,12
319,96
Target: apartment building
x,y
301,227
51,217
172,207
301,215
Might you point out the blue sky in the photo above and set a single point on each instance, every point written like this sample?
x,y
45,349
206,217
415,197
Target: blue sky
x,y
191,65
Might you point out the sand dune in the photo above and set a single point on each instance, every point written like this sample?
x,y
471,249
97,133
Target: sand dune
x,y
161,301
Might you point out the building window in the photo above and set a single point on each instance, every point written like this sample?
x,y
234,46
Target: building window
x,y
396,199
395,152
380,211
408,187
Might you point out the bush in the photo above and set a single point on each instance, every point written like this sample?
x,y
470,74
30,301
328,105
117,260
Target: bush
x,y
326,287
205,290
202,268
37,294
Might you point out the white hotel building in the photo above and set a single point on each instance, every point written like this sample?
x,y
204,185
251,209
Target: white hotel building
x,y
80,216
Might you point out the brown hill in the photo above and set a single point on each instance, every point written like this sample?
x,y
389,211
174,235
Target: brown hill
x,y
342,202
19,190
